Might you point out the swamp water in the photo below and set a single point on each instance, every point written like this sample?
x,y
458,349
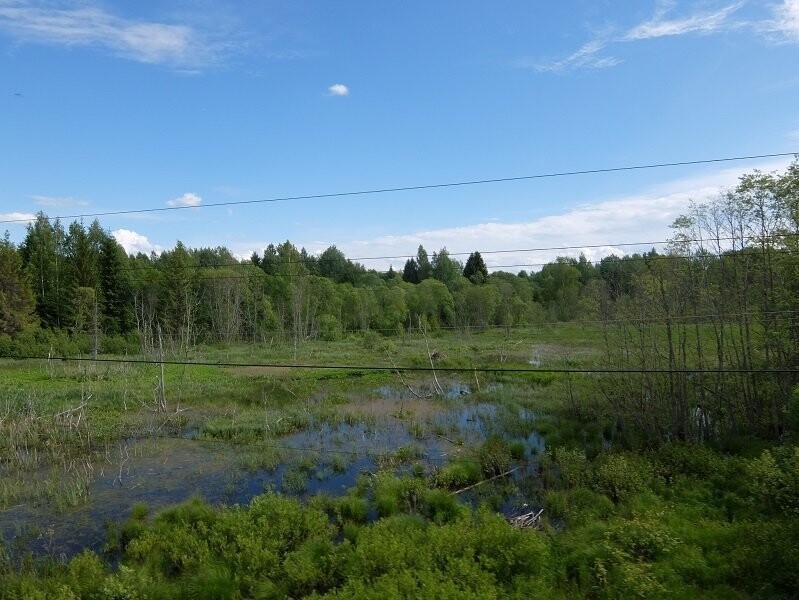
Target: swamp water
x,y
159,472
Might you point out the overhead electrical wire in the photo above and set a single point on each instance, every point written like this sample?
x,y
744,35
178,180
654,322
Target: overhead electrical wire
x,y
393,368
321,260
410,188
142,270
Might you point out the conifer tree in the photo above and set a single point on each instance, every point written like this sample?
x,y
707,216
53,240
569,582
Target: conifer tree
x,y
475,268
16,296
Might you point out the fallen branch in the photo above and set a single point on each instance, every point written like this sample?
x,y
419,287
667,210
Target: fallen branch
x,y
438,388
526,520
402,380
447,439
474,485
70,411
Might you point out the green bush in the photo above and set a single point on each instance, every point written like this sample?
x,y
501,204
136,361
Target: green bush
x,y
458,474
619,476
573,466
494,456
687,459
517,450
774,480
351,508
330,329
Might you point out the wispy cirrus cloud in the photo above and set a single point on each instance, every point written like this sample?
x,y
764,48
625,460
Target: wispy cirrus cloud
x,y
84,24
588,56
701,23
594,55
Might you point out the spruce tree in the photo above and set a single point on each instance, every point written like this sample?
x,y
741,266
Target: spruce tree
x,y
16,296
475,268
411,271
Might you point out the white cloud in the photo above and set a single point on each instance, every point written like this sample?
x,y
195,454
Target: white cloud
x,y
659,26
187,199
786,20
338,89
587,57
134,242
598,228
59,201
16,218
87,25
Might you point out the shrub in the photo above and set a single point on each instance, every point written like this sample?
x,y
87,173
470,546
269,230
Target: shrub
x,y
494,456
619,476
573,466
774,480
458,474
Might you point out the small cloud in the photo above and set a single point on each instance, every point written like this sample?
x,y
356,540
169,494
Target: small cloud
x,y
338,89
134,242
229,212
20,218
59,201
187,199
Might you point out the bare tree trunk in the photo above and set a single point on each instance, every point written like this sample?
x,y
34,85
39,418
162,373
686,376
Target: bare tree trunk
x,y
439,390
161,400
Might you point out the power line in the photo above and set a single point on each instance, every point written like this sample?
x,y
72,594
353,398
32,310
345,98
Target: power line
x,y
141,270
585,370
321,260
410,188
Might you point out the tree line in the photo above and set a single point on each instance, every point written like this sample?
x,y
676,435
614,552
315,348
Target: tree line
x,y
80,281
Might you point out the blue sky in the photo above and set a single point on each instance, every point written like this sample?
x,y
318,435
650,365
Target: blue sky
x,y
114,105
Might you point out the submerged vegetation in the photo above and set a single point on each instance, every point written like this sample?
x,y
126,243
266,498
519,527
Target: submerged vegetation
x,y
199,446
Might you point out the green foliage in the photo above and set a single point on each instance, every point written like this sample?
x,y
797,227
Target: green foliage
x,y
475,268
517,449
494,456
792,414
619,476
674,541
16,296
573,466
458,474
687,459
295,481
774,480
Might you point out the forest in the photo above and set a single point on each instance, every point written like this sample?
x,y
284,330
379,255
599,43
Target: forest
x,y
663,387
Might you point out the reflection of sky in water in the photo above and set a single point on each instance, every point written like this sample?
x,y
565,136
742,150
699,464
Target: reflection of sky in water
x,y
161,472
